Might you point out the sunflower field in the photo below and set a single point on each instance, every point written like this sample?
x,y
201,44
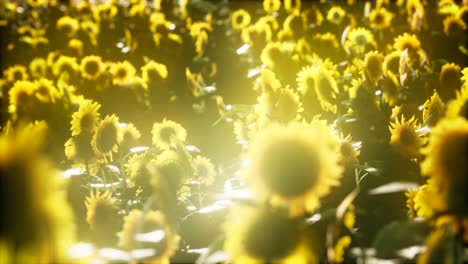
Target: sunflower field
x,y
222,131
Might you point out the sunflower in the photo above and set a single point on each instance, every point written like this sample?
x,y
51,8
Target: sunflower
x,y
446,158
258,34
204,170
16,73
129,136
392,62
38,67
170,172
137,172
407,42
65,64
45,91
105,11
138,223
240,19
20,96
405,139
391,88
433,110
122,72
261,235
450,80
360,40
295,24
271,6
152,72
101,208
341,245
314,16
68,25
380,18
267,82
292,5
79,149
293,165
373,63
347,154
282,105
327,39
428,200
86,118
335,15
91,67
91,29
454,27
166,132
76,47
326,89
38,232
37,3
106,138
459,106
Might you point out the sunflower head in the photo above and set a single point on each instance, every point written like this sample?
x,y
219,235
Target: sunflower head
x,y
153,72
79,149
407,42
16,73
137,224
380,18
257,35
348,153
37,229
446,155
433,110
392,62
450,80
138,174
294,164
122,72
100,208
296,23
282,105
292,5
373,64
405,139
68,26
360,40
20,96
38,67
169,170
65,64
106,137
129,136
336,14
459,106
166,133
326,89
240,19
45,91
428,200
391,88
454,27
86,118
91,67
204,170
271,6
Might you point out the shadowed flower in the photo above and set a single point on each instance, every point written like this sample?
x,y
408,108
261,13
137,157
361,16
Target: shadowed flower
x,y
101,209
271,6
107,136
450,80
433,110
129,137
360,40
38,67
261,235
65,64
152,72
405,139
204,170
16,73
166,132
459,106
86,118
373,64
454,27
68,26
